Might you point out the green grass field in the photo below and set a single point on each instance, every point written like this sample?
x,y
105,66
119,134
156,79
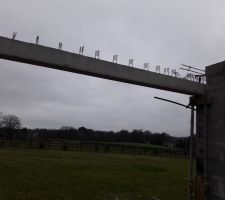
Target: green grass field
x,y
66,175
138,145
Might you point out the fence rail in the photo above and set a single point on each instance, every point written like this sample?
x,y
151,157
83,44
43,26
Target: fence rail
x,y
100,147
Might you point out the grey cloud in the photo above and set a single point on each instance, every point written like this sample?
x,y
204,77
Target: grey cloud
x,y
165,33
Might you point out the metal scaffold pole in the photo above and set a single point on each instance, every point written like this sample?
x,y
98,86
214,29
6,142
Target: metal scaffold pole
x,y
190,185
190,179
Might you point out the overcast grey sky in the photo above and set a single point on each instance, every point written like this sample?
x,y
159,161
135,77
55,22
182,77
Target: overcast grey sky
x,y
162,32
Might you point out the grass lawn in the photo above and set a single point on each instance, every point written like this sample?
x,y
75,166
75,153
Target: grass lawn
x,y
66,175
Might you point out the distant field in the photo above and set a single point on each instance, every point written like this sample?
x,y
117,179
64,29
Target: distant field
x,y
66,175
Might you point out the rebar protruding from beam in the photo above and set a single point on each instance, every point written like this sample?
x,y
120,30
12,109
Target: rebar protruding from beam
x,y
192,71
14,35
174,72
81,50
146,66
157,69
97,54
193,67
131,62
201,78
60,46
37,40
167,71
115,58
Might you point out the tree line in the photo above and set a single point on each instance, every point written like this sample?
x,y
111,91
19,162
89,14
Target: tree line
x,y
10,128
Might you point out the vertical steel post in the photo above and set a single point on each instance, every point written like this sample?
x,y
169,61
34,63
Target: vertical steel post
x,y
190,185
205,154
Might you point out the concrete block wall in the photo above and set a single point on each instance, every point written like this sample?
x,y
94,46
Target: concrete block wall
x,y
216,131
200,151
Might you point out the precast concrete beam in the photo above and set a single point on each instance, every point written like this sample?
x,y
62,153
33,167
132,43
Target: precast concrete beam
x,y
57,59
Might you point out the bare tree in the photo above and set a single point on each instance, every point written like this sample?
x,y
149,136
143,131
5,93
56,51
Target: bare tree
x,y
10,122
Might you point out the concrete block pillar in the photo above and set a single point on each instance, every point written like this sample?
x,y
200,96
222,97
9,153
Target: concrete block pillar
x,y
210,137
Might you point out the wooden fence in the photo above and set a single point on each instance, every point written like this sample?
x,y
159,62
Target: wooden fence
x,y
94,147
